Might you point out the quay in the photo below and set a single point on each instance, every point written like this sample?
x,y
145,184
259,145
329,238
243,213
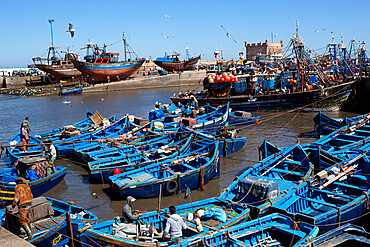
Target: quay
x,y
185,78
11,240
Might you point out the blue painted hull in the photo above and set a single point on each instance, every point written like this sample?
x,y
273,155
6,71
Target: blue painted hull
x,y
70,92
102,234
38,187
270,230
232,145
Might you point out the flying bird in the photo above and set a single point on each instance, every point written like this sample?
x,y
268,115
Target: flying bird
x,y
167,36
71,30
168,16
228,34
318,30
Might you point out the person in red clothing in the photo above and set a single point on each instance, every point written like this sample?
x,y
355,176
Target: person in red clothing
x,y
23,199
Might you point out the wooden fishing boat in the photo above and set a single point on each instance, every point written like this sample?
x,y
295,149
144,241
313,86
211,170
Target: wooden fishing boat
x,y
101,169
105,233
101,65
90,120
322,207
38,187
242,118
269,180
270,230
99,132
324,125
326,99
103,70
345,235
53,222
15,148
60,68
353,135
174,176
306,86
173,63
71,91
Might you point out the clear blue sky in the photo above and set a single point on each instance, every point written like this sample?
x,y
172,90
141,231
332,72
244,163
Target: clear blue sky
x,y
25,31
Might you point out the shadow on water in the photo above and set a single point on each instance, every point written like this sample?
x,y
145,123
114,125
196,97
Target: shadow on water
x,y
47,113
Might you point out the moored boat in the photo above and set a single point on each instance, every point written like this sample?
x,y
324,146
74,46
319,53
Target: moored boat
x,y
53,222
270,230
109,233
173,63
106,66
71,91
174,175
39,186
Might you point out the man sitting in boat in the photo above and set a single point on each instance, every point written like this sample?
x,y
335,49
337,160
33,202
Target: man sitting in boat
x,y
127,216
175,225
156,113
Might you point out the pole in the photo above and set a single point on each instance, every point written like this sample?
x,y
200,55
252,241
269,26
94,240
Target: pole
x,y
124,45
159,199
69,229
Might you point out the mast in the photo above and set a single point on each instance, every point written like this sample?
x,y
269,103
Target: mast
x,y
52,38
124,45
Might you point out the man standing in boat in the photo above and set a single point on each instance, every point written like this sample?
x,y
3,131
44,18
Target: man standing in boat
x,y
52,153
174,226
26,124
127,216
23,199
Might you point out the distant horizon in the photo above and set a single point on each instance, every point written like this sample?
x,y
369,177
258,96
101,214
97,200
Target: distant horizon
x,y
153,28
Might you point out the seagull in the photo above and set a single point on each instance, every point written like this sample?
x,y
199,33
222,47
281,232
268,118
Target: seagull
x,y
228,34
167,36
71,30
318,30
168,16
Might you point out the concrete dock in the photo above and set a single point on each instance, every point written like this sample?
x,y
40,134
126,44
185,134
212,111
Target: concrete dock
x,y
9,239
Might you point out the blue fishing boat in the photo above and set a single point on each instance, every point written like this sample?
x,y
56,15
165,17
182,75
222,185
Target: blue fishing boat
x,y
174,175
109,233
353,135
324,124
112,130
102,168
82,124
42,184
269,180
53,222
346,235
15,148
71,91
322,207
270,230
242,118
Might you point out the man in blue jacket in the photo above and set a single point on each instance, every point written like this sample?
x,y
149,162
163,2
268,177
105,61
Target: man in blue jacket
x,y
175,225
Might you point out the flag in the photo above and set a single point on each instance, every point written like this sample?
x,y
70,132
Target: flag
x,y
187,192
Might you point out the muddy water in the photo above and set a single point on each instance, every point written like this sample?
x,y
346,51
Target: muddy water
x,y
47,113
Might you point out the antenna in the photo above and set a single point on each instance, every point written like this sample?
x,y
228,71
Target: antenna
x,y
296,29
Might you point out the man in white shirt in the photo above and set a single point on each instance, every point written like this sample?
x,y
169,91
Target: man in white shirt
x,y
52,153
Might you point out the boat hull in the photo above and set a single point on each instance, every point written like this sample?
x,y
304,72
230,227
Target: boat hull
x,y
327,99
100,72
38,187
71,92
181,65
59,71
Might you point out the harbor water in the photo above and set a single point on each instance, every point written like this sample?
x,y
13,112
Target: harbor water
x,y
50,112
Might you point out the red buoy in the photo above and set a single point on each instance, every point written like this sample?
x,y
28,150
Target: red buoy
x,y
116,171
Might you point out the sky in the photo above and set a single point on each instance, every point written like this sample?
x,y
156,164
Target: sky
x,y
25,30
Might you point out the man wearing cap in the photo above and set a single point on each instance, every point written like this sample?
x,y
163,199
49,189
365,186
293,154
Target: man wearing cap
x,y
26,124
23,199
127,216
